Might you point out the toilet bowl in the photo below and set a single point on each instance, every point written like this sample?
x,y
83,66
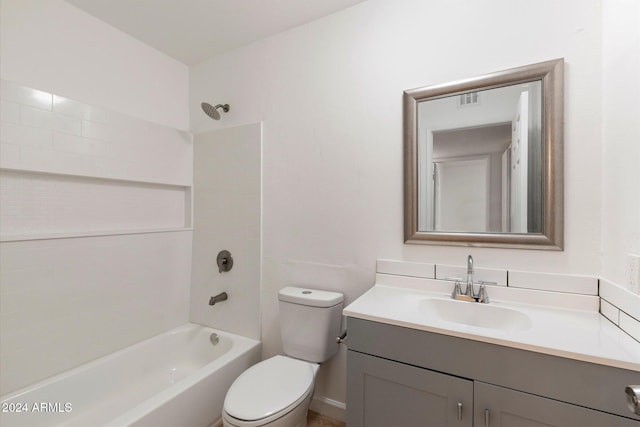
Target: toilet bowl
x,y
273,393
277,392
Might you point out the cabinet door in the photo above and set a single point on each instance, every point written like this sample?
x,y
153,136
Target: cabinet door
x,y
383,393
502,407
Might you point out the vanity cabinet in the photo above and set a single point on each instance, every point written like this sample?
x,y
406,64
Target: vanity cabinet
x,y
502,407
394,394
405,377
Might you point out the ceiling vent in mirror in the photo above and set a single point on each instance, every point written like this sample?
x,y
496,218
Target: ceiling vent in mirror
x,y
468,99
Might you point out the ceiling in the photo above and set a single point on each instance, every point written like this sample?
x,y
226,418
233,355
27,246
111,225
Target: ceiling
x,y
192,31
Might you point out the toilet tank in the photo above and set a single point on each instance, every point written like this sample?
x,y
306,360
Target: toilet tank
x,y
310,322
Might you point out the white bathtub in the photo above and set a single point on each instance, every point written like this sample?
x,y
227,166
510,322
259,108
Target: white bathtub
x,y
178,378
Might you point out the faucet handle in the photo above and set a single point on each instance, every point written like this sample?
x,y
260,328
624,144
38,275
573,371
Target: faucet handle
x,y
483,296
457,290
458,294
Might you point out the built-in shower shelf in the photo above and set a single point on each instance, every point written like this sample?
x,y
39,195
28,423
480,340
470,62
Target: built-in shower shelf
x,y
36,205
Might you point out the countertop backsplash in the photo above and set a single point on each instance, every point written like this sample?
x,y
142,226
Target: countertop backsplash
x,y
615,303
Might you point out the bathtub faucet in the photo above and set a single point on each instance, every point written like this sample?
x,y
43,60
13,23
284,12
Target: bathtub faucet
x,y
220,297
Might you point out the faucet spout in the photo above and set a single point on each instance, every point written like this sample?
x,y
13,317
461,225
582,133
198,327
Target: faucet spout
x,y
220,297
469,293
469,289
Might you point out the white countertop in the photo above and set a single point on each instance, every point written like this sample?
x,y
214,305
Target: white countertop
x,y
580,334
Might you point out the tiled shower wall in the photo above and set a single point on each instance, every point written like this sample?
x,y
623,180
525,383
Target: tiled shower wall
x,y
52,203
227,215
96,239
50,133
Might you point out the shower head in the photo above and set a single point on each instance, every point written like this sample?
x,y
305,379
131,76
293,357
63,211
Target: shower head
x,y
212,111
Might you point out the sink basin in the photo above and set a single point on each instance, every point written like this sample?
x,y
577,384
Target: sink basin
x,y
475,314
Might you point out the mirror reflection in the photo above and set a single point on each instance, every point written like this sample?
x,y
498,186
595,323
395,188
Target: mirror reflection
x,y
479,161
483,160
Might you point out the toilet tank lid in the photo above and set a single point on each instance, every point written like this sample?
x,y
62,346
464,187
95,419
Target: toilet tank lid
x,y
311,297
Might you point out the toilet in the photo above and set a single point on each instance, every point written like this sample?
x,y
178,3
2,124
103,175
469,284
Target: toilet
x,y
277,392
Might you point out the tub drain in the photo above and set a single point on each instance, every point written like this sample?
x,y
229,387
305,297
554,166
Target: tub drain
x,y
214,338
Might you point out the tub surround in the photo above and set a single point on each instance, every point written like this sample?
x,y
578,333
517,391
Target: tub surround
x,y
48,132
227,213
77,298
95,229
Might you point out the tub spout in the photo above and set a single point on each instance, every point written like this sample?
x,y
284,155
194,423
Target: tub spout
x,y
220,297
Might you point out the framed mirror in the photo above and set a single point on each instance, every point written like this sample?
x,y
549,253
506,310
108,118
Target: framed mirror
x,y
483,160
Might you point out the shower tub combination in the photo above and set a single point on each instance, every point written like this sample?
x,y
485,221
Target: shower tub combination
x,y
178,378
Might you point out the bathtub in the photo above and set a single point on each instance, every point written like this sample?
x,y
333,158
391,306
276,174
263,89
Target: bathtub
x,y
178,378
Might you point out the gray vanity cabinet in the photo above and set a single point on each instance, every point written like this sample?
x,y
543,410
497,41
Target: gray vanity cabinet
x,y
502,407
403,377
395,394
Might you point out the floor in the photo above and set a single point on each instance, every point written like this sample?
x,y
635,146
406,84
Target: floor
x,y
316,420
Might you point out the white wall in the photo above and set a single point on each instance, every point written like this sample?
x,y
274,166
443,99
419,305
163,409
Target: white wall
x,y
78,298
329,95
53,46
227,215
621,137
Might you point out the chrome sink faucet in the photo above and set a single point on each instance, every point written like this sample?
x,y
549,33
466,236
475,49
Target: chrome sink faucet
x,y
469,289
469,294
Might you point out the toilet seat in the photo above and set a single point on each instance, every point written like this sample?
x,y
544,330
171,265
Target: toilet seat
x,y
269,390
